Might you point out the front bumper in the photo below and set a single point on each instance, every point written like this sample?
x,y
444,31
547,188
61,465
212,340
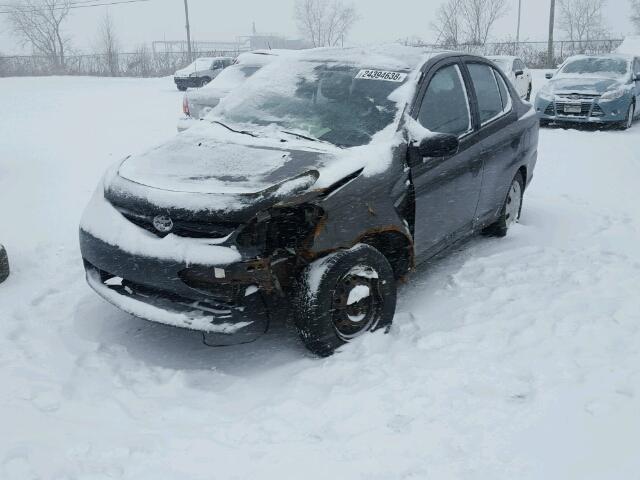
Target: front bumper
x,y
230,311
187,82
191,283
592,111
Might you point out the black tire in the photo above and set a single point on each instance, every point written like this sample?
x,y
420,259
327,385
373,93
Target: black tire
x,y
4,264
528,97
507,214
326,315
544,123
626,125
182,89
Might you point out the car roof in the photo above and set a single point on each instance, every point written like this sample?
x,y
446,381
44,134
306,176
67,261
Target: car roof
x,y
503,57
391,57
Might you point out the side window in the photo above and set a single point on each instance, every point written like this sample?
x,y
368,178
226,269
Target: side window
x,y
445,107
504,93
487,91
637,66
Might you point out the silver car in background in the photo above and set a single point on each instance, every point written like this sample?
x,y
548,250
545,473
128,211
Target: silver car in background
x,y
518,73
197,104
200,72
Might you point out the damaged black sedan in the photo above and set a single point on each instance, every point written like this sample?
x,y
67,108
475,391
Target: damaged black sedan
x,y
323,181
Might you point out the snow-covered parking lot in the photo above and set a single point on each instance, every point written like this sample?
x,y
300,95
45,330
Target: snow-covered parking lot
x,y
509,359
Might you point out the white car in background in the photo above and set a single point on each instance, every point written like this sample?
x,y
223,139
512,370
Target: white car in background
x,y
198,103
517,72
200,72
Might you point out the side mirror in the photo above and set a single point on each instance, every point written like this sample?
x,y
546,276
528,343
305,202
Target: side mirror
x,y
548,75
438,145
519,73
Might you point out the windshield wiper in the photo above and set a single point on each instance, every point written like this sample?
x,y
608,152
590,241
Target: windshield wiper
x,y
307,137
243,132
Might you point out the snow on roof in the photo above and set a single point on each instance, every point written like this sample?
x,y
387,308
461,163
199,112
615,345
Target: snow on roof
x,y
391,56
630,46
501,57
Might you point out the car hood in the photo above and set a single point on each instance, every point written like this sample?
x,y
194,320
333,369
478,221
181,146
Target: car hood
x,y
211,172
586,85
191,164
185,72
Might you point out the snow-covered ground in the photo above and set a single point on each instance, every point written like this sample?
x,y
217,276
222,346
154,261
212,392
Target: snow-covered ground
x,y
509,359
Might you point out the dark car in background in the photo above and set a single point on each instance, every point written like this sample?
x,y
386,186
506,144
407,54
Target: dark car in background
x,y
321,183
592,89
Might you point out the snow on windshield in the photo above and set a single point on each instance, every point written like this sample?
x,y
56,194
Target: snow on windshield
x,y
342,103
232,76
200,64
596,66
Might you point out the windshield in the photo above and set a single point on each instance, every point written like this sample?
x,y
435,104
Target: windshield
x,y
595,66
342,104
200,64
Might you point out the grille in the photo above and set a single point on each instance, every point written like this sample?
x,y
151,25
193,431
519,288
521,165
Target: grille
x,y
550,110
585,108
181,227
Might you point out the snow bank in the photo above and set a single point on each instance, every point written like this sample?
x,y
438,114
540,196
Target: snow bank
x,y
104,222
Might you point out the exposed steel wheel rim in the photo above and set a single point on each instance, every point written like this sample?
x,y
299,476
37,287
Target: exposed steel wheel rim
x,y
357,302
514,202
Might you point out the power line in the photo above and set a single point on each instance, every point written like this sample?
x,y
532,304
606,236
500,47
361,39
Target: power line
x,y
73,5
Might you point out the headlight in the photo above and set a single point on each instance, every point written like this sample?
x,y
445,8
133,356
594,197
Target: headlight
x,y
613,94
546,94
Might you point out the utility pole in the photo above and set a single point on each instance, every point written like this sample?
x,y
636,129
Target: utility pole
x,y
186,16
519,17
552,21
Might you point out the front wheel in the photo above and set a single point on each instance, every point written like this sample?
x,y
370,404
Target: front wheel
x,y
631,113
511,209
342,296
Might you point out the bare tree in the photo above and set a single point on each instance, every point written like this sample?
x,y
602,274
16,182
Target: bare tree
x,y
109,45
581,20
479,17
467,21
38,23
635,15
325,23
448,23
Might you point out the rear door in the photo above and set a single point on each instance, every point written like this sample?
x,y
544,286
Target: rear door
x,y
500,138
446,188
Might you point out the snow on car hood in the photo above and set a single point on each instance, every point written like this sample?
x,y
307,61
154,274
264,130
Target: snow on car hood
x,y
198,165
586,85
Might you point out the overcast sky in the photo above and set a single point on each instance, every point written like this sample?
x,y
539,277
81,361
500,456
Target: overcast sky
x,y
224,20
